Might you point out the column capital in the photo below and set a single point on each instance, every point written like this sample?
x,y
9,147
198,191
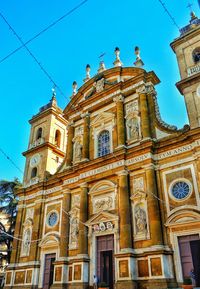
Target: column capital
x,y
150,167
147,88
118,98
84,185
122,173
66,191
85,114
70,124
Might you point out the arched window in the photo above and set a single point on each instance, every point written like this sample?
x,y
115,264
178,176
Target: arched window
x,y
103,143
196,54
34,173
39,133
57,138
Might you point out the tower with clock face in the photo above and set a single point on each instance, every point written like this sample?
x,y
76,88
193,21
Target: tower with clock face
x,y
187,49
47,143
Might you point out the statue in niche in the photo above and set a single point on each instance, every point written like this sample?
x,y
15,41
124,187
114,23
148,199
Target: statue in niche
x,y
74,230
26,242
140,220
77,150
133,128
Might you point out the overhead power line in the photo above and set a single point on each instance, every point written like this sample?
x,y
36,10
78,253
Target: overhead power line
x,y
44,30
32,55
12,162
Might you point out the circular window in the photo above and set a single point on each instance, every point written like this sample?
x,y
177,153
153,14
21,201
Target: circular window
x,y
180,189
52,219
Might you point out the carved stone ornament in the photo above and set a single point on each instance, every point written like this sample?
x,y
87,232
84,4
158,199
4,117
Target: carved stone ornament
x,y
99,85
75,201
29,213
102,227
138,184
100,204
118,98
131,107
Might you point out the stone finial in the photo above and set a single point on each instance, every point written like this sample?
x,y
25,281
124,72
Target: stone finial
x,y
53,98
74,86
87,73
138,62
117,61
101,66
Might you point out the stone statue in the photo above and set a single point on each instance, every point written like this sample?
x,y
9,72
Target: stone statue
x,y
74,231
26,242
140,220
77,150
133,128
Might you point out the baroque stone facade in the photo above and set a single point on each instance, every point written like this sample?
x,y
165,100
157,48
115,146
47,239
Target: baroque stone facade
x,y
110,190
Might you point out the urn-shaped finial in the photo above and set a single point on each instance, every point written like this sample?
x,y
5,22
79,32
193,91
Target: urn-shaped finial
x,y
87,73
138,62
74,86
117,61
102,66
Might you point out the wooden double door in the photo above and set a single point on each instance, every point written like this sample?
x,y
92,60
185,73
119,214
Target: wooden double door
x,y
48,270
189,247
105,259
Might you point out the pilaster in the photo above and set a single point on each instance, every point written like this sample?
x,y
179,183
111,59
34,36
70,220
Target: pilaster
x,y
119,100
124,212
153,208
145,121
86,135
83,239
70,144
65,223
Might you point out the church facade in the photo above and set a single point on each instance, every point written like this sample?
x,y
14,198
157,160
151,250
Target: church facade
x,y
111,190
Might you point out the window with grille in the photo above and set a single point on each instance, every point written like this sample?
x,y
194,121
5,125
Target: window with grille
x,y
103,143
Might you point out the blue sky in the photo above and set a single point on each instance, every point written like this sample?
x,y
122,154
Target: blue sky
x,y
65,49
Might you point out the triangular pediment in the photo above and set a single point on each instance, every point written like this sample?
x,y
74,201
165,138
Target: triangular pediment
x,y
101,217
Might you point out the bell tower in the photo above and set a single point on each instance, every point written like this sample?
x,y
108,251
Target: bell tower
x,y
47,143
187,49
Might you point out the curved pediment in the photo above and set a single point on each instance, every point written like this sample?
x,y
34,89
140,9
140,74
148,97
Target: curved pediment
x,y
183,217
107,80
102,187
50,240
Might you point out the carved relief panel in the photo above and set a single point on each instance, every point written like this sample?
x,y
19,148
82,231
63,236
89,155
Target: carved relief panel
x,y
139,210
103,197
132,121
74,221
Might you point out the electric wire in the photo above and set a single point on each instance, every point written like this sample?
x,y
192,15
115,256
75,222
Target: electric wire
x,y
32,55
45,29
11,161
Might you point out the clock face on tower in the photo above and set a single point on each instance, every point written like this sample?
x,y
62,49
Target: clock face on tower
x,y
35,159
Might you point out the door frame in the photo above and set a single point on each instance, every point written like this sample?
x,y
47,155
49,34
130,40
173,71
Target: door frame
x,y
42,262
175,244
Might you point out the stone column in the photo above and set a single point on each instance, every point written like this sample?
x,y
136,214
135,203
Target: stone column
x,y
119,100
153,208
86,136
64,241
70,144
38,225
145,120
83,238
16,246
124,212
